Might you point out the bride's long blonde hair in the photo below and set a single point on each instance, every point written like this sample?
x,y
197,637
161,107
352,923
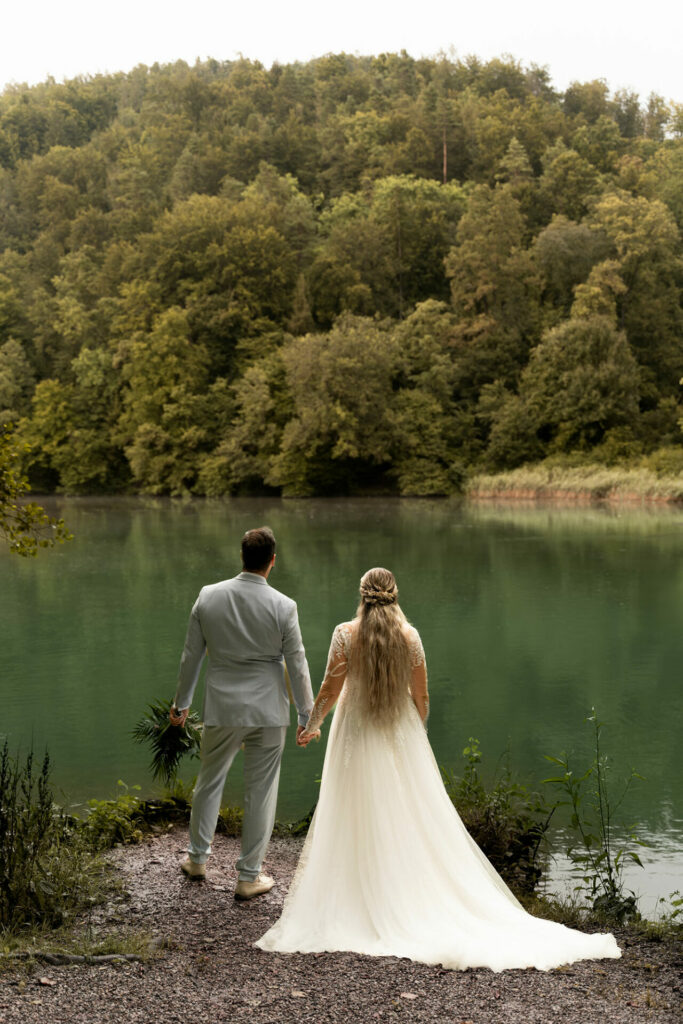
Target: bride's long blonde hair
x,y
380,656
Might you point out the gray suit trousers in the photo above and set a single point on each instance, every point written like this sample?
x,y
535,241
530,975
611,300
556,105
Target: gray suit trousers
x,y
263,746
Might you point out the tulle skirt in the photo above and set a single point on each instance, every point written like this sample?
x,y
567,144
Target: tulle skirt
x,y
388,868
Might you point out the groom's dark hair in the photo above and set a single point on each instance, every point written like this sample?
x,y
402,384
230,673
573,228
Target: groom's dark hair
x,y
258,548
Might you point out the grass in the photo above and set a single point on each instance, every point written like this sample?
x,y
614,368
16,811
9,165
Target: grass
x,y
573,912
588,481
20,951
595,852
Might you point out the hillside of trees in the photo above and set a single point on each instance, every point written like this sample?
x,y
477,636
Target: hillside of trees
x,y
355,274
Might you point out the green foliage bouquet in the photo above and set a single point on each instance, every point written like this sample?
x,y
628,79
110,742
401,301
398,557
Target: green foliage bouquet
x,y
169,743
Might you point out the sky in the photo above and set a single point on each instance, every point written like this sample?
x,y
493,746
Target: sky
x,y
632,45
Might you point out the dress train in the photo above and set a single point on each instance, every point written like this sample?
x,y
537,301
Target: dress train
x,y
388,868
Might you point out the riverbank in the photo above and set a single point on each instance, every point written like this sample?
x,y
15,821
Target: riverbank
x,y
202,966
581,484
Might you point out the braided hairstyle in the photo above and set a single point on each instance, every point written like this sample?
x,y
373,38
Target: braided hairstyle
x,y
380,656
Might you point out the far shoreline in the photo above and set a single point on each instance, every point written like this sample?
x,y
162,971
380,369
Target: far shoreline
x,y
536,496
535,484
587,484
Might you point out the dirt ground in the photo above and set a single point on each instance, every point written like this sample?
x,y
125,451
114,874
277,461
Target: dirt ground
x,y
206,971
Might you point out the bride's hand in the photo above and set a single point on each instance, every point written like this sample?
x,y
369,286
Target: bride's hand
x,y
304,738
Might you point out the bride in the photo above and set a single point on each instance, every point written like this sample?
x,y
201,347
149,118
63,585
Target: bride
x,y
388,868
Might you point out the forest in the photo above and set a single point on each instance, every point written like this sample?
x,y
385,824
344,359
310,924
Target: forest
x,y
352,275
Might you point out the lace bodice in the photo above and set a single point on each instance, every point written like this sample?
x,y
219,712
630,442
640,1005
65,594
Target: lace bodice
x,y
337,675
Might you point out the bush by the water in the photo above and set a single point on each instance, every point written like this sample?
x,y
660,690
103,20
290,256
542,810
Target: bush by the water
x,y
50,868
47,869
508,821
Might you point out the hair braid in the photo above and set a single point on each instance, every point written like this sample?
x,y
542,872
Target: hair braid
x,y
380,654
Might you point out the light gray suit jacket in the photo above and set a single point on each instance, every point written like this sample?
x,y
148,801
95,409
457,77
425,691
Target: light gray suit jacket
x,y
249,631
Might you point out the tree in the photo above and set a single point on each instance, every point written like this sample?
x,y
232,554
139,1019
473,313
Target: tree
x,y
25,527
657,116
565,253
391,241
628,114
600,144
340,434
664,175
417,221
167,416
16,380
645,243
71,430
568,182
252,434
201,167
581,381
495,290
434,435
226,265
588,101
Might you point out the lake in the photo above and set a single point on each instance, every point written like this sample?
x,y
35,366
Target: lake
x,y
530,616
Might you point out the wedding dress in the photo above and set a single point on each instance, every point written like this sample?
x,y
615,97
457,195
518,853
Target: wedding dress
x,y
388,868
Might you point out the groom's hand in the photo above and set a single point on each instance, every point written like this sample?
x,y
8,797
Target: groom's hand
x,y
303,738
178,717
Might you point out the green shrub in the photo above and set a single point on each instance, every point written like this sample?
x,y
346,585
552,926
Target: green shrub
x,y
117,820
666,461
619,446
295,828
508,822
230,821
47,871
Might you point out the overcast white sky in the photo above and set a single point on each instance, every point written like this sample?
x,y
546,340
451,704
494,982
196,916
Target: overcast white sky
x,y
630,44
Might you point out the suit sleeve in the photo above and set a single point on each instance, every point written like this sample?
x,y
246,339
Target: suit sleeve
x,y
191,660
297,666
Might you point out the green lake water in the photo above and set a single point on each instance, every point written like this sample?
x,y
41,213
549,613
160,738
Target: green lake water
x,y
529,617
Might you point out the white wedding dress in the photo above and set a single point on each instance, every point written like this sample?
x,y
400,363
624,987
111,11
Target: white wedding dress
x,y
388,868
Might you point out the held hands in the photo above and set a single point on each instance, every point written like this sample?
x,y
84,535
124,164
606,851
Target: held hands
x,y
303,738
177,717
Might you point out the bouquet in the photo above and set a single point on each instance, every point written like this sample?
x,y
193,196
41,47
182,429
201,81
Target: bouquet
x,y
169,743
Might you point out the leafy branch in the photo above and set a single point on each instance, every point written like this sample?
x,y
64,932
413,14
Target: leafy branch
x,y
26,527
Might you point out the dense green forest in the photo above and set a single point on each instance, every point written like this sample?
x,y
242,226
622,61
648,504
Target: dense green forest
x,y
354,274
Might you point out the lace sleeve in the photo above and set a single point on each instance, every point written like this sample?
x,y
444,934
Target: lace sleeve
x,y
335,674
417,654
418,677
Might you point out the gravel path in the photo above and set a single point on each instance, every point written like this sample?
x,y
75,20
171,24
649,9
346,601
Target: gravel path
x,y
207,971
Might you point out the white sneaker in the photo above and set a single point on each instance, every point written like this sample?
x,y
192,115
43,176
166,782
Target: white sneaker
x,y
195,871
245,890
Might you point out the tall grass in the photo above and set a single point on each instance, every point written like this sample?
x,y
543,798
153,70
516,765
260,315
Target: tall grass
x,y
596,855
591,482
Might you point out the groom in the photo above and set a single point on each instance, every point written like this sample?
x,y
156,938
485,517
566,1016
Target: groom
x,y
249,631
